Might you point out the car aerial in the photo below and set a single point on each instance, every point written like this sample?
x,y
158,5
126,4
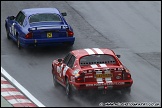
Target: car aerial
x,y
39,27
90,69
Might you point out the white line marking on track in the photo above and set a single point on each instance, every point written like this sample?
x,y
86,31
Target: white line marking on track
x,y
29,95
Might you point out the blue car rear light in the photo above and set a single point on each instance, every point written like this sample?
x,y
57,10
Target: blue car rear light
x,y
29,35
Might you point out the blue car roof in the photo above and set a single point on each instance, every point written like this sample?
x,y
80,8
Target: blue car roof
x,y
32,11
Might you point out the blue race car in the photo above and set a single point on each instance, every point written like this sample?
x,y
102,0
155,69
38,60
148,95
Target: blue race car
x,y
39,27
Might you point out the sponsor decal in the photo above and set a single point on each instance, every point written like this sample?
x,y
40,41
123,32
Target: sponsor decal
x,y
72,78
106,84
88,76
76,71
118,77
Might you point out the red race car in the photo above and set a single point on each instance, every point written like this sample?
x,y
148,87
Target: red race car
x,y
89,69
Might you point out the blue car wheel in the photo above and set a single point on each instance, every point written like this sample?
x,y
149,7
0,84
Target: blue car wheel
x,y
7,31
18,43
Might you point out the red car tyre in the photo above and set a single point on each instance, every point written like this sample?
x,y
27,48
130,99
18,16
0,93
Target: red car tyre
x,y
68,88
54,81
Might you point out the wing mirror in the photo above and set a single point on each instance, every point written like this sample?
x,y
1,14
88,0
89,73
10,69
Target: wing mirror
x,y
118,56
64,14
59,60
11,17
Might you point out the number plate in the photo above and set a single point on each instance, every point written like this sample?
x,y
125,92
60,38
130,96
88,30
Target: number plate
x,y
103,75
49,34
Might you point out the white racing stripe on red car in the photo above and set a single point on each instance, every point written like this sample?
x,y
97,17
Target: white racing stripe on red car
x,y
98,51
109,78
94,66
99,80
106,72
103,65
89,51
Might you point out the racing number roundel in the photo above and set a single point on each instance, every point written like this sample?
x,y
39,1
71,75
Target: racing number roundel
x,y
13,30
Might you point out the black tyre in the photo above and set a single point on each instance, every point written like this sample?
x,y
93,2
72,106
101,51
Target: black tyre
x,y
55,81
69,44
18,43
7,31
68,88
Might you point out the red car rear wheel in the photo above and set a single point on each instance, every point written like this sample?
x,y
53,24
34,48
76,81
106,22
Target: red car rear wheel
x,y
55,81
68,88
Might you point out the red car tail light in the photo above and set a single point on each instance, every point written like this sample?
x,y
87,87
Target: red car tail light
x,y
29,35
70,33
79,78
127,76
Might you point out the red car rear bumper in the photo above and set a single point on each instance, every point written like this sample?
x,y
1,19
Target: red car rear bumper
x,y
119,84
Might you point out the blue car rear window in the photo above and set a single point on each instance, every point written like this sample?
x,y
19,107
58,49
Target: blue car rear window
x,y
44,18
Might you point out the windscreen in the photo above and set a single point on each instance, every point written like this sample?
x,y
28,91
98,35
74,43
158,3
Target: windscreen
x,y
44,18
97,59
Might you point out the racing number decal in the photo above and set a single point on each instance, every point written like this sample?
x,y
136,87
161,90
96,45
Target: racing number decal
x,y
49,34
13,30
59,68
65,70
62,71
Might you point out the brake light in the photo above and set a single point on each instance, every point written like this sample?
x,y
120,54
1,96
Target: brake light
x,y
29,35
127,76
70,33
79,77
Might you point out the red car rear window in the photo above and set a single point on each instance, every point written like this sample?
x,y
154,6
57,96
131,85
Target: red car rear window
x,y
97,59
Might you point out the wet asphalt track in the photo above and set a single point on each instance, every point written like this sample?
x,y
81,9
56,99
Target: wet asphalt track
x,y
131,29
